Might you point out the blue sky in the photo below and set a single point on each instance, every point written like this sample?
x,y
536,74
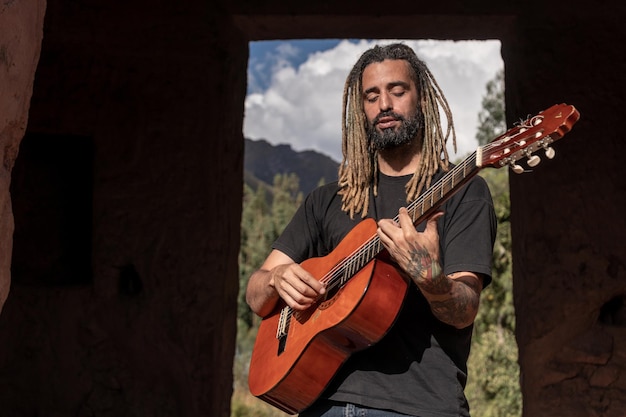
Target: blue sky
x,y
295,88
266,56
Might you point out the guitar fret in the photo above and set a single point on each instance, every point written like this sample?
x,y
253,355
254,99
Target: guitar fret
x,y
348,272
355,264
370,251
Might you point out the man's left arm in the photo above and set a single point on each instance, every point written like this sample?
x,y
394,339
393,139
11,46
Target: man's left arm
x,y
453,298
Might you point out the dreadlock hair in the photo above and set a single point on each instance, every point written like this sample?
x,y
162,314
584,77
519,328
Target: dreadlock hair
x,y
358,169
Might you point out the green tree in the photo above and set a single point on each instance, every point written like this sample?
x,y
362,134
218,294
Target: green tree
x,y
493,388
265,213
491,119
256,236
287,199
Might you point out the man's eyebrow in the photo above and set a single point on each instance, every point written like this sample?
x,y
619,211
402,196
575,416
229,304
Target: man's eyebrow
x,y
399,83
370,90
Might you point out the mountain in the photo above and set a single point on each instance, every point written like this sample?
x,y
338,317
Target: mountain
x,y
262,161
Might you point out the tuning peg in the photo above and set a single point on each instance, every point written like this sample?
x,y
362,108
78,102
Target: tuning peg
x,y
516,168
550,152
533,161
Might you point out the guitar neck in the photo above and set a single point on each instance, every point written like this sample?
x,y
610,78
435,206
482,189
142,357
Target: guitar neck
x,y
442,190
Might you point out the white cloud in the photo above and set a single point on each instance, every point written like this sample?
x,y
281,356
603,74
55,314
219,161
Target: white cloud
x,y
302,106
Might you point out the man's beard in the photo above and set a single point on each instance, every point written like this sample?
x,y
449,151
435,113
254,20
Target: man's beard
x,y
391,138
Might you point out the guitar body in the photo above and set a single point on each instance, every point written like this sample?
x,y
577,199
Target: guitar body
x,y
322,338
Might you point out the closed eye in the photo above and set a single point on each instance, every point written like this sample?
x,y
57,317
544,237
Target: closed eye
x,y
398,91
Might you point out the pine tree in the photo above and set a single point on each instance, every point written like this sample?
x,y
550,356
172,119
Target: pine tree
x,y
287,198
491,119
256,236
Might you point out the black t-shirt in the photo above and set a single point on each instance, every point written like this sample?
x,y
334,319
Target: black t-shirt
x,y
419,366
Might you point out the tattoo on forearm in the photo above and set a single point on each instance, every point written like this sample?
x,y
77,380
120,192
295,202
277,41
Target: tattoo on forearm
x,y
457,310
426,272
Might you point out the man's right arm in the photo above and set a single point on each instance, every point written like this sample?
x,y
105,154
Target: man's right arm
x,y
281,277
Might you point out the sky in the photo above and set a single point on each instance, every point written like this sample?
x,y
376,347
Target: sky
x,y
295,88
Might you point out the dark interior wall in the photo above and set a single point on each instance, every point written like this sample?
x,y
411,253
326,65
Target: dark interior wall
x,y
153,87
567,216
158,88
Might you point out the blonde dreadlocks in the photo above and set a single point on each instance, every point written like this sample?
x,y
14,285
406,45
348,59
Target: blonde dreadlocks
x,y
358,170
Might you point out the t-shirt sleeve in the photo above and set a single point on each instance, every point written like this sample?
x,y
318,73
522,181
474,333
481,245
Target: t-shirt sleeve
x,y
317,227
468,230
299,236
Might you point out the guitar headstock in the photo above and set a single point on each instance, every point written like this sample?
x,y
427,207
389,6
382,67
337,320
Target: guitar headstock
x,y
536,132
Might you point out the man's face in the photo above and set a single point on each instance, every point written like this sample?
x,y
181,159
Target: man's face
x,y
390,101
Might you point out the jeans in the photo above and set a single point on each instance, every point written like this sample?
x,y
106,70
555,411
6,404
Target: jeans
x,y
329,409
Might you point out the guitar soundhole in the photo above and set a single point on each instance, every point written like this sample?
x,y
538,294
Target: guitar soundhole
x,y
329,298
323,304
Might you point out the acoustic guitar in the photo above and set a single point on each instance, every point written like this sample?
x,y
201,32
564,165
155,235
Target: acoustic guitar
x,y
297,353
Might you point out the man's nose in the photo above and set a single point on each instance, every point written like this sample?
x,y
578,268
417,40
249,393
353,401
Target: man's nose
x,y
385,102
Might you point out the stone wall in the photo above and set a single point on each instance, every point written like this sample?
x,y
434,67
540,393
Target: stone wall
x,y
20,43
567,218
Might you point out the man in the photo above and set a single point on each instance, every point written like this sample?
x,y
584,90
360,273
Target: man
x,y
393,149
